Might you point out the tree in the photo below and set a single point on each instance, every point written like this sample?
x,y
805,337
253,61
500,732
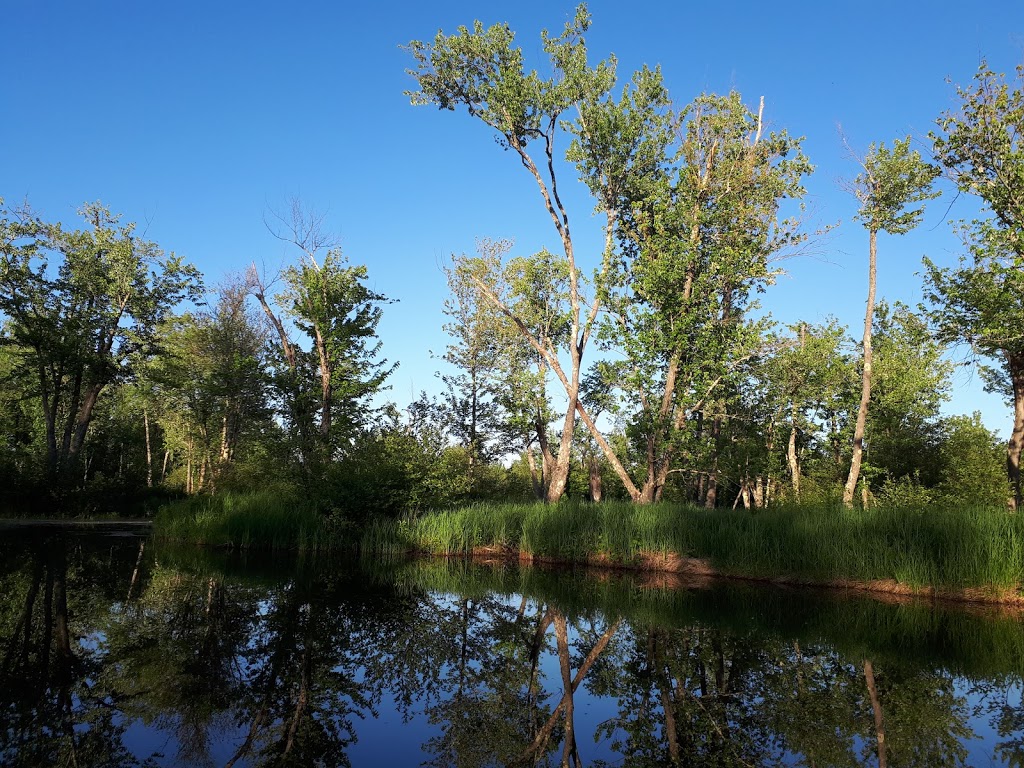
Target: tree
x,y
83,326
973,463
980,303
482,71
210,387
326,390
890,181
910,382
478,351
697,232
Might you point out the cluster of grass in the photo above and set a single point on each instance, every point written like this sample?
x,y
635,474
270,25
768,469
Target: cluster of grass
x,y
938,546
259,520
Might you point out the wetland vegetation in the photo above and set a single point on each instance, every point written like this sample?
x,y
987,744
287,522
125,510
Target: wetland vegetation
x,y
626,403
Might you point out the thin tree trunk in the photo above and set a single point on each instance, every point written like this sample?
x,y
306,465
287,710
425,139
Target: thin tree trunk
x,y
876,708
149,451
188,469
712,487
1015,446
594,470
865,392
135,572
792,460
536,477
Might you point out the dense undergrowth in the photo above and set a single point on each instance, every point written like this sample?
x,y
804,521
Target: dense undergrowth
x,y
941,546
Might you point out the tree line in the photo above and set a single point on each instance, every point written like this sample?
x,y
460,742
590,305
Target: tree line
x,y
644,371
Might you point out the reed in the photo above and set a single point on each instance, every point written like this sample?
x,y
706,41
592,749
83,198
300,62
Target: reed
x,y
256,520
954,548
946,547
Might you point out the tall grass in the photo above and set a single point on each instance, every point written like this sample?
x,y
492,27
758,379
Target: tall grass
x,y
957,548
945,547
260,520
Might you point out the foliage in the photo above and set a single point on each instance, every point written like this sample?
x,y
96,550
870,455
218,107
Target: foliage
x,y
82,324
981,301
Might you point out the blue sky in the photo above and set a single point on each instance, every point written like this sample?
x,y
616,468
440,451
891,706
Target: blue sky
x,y
192,117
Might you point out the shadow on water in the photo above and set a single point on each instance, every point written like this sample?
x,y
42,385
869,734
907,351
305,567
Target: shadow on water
x,y
119,652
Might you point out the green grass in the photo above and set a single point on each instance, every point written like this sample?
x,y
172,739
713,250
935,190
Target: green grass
x,y
945,547
954,548
259,520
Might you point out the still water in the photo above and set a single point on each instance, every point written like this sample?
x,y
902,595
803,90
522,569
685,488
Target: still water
x,y
117,651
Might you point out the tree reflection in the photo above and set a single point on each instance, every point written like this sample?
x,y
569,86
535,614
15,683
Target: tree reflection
x,y
228,667
55,709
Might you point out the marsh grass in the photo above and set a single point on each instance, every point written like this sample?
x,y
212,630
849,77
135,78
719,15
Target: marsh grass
x,y
946,547
258,520
954,548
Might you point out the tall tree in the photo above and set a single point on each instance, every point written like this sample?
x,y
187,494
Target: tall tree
x,y
325,298
480,70
890,181
479,340
697,232
981,303
981,147
81,327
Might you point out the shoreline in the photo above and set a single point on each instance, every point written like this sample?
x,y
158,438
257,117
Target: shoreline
x,y
671,571
694,571
15,524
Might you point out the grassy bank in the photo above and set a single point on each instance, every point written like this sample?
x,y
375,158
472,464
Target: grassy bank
x,y
946,548
257,520
941,547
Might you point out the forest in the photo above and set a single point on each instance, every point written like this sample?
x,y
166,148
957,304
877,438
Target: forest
x,y
647,372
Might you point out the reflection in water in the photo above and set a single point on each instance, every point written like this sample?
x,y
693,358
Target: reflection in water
x,y
118,653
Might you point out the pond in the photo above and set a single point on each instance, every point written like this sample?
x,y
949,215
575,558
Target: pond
x,y
120,651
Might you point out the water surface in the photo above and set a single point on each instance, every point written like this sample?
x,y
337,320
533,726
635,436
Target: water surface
x,y
119,652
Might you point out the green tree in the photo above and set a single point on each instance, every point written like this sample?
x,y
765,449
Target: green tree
x,y
910,382
697,232
890,181
973,463
480,70
81,325
325,391
980,302
210,389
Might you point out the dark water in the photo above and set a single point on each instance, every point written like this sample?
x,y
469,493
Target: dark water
x,y
118,652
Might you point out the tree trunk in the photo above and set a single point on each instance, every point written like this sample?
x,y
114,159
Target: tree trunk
x,y
536,477
876,708
149,451
594,471
865,392
188,469
712,487
1014,447
793,460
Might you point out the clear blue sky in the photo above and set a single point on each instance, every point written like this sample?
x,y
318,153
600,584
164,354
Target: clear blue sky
x,y
191,117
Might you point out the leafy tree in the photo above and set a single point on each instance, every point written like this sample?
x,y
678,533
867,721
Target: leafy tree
x,y
480,70
980,302
80,325
890,181
210,389
324,392
697,232
910,382
973,460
